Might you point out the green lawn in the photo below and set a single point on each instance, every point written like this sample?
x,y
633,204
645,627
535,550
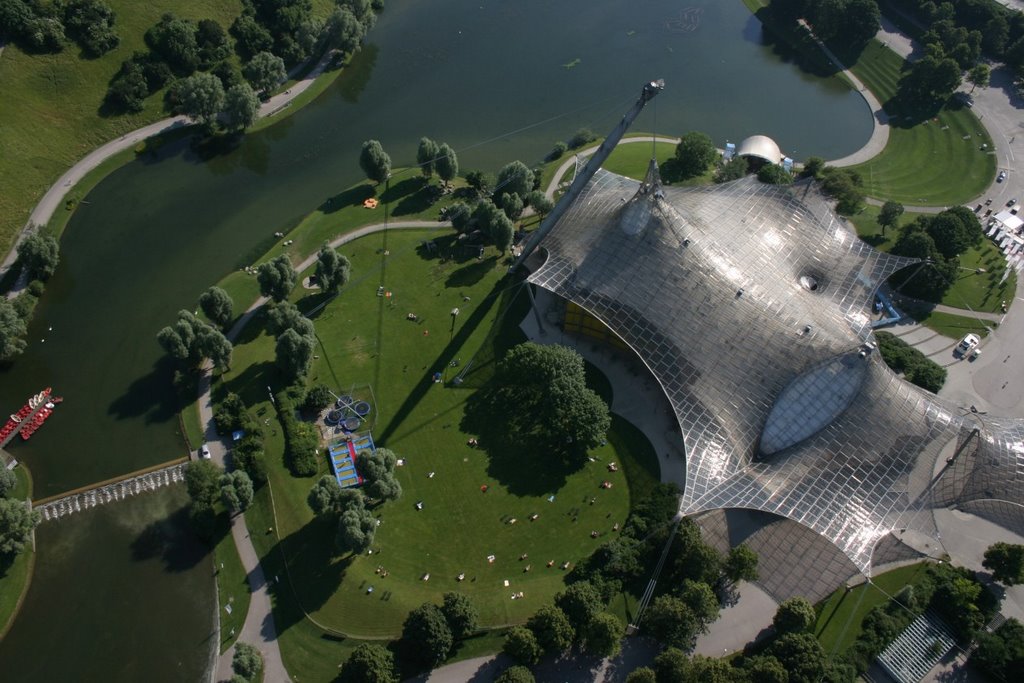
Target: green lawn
x,y
15,577
983,292
840,615
62,93
367,341
952,326
232,584
915,166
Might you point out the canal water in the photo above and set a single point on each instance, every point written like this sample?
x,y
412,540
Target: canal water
x,y
496,79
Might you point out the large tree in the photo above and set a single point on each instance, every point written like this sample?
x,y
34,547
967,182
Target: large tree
x,y
426,635
378,472
374,161
247,662
514,178
276,278
542,393
603,635
540,202
672,622
202,480
740,564
552,628
979,76
356,528
694,153
930,79
795,615
201,98
12,330
426,155
284,316
328,499
343,31
802,656
236,490
1006,560
265,71
293,354
175,41
8,480
446,164
16,524
954,230
522,646
332,269
369,662
39,255
581,602
889,215
217,306
212,344
241,107
516,674
91,24
461,614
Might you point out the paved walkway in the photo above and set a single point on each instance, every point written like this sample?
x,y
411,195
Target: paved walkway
x,y
54,197
259,629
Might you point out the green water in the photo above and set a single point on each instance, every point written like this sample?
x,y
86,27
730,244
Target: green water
x,y
83,621
496,79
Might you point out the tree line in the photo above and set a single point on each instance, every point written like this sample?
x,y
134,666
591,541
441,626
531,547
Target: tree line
x,y
198,59
38,27
38,256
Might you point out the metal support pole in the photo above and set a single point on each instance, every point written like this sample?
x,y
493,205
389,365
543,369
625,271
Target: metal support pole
x,y
533,307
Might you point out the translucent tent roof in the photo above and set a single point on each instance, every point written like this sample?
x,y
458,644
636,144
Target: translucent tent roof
x,y
750,305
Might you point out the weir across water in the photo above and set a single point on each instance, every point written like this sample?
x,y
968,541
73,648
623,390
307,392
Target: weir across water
x,y
111,490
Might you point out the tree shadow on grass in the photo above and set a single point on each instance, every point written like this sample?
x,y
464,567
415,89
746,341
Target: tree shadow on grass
x,y
251,384
522,463
418,201
173,541
471,273
314,572
353,196
459,339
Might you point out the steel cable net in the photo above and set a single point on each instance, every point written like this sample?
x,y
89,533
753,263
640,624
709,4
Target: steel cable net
x,y
750,303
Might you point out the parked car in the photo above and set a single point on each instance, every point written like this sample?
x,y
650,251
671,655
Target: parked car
x,y
968,344
204,452
1001,177
1011,202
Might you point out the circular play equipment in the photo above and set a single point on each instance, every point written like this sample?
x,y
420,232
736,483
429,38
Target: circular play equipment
x,y
351,423
362,408
333,417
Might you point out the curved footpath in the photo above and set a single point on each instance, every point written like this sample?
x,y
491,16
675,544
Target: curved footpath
x,y
44,210
259,629
259,625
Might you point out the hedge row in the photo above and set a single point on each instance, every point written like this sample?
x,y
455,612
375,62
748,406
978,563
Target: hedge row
x,y
300,438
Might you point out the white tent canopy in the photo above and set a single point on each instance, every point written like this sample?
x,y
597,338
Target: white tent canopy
x,y
1009,221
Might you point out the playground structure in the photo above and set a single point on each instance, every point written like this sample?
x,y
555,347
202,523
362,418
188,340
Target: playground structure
x,y
344,453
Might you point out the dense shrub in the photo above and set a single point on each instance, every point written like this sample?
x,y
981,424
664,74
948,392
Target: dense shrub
x,y
301,439
581,137
915,366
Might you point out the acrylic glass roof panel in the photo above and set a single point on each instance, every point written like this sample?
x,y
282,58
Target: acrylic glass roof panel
x,y
731,294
